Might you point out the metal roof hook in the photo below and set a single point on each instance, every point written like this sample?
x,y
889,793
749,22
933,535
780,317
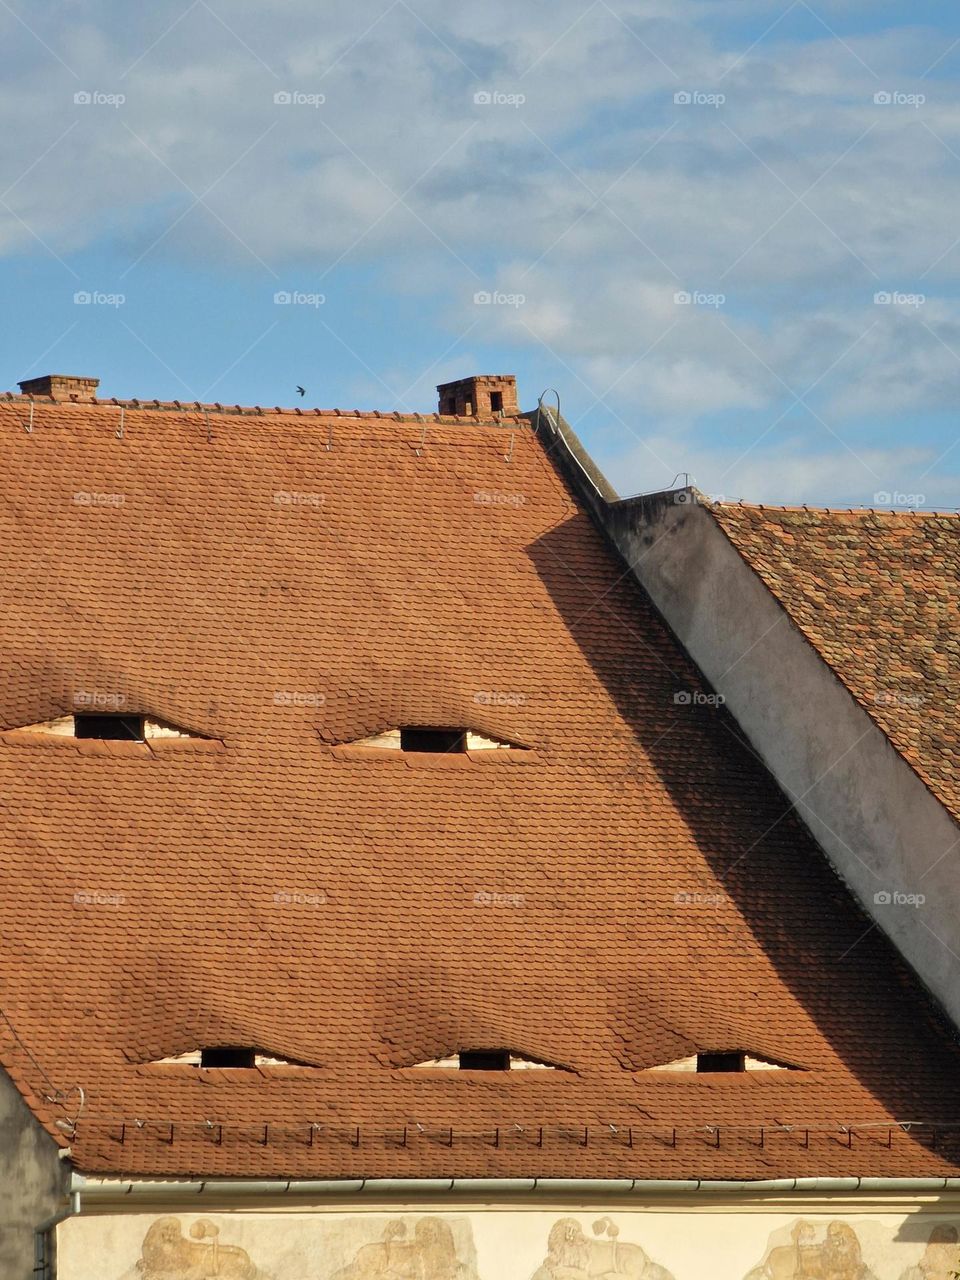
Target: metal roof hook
x,y
119,432
423,437
29,427
508,457
554,426
64,1094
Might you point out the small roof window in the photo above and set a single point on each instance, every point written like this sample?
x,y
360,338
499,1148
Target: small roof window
x,y
439,741
122,728
435,741
228,1056
484,1059
713,1062
105,726
721,1062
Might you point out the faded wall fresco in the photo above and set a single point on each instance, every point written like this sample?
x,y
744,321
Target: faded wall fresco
x,y
166,1253
509,1244
827,1252
411,1247
572,1254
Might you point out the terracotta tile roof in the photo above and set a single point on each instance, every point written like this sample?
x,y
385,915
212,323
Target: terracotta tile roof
x,y
877,593
631,890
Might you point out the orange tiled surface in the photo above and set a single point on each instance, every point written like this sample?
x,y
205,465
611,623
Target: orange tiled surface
x,y
630,890
877,593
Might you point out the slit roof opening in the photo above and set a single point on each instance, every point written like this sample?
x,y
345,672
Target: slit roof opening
x,y
121,728
439,741
734,1061
228,1056
484,1059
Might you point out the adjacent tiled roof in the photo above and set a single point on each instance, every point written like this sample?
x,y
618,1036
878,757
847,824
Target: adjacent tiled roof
x,y
631,889
877,593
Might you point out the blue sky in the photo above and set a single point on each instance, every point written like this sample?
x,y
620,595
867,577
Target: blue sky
x,y
725,232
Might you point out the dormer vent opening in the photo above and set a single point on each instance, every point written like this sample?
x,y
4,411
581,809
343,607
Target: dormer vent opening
x,y
484,1059
112,728
434,740
104,726
228,1056
721,1062
225,1058
717,1061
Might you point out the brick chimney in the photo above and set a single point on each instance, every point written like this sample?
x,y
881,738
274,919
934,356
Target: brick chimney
x,y
486,395
61,386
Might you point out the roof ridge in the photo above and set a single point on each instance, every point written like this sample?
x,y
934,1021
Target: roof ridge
x,y
835,511
198,406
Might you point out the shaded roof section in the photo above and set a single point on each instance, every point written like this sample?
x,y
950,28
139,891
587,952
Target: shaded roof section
x,y
631,890
877,594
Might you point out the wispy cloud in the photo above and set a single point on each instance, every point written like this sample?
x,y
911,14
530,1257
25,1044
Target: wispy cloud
x,y
596,159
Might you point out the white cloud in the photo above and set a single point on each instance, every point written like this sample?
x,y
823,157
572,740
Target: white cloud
x,y
788,475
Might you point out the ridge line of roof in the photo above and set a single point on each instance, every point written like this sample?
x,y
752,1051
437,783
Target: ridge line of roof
x,y
704,500
829,511
259,411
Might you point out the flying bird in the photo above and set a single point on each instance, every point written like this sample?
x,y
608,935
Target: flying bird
x,y
301,391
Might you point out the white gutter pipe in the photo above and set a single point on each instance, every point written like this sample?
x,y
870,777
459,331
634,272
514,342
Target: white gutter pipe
x,y
102,1189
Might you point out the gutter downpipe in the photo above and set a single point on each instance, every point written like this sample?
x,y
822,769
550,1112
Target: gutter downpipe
x,y
43,1235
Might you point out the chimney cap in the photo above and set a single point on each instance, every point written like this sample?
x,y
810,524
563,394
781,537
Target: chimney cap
x,y
60,386
480,378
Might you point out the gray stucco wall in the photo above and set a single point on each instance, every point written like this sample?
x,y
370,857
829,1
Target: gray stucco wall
x,y
32,1182
878,823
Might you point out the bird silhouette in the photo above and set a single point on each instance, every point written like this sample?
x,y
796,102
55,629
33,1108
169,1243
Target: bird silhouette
x,y
301,391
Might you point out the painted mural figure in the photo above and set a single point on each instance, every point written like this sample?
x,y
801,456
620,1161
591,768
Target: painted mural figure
x,y
836,1257
430,1255
572,1255
941,1258
167,1255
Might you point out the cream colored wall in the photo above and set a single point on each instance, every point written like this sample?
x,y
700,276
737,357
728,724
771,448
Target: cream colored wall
x,y
692,1240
